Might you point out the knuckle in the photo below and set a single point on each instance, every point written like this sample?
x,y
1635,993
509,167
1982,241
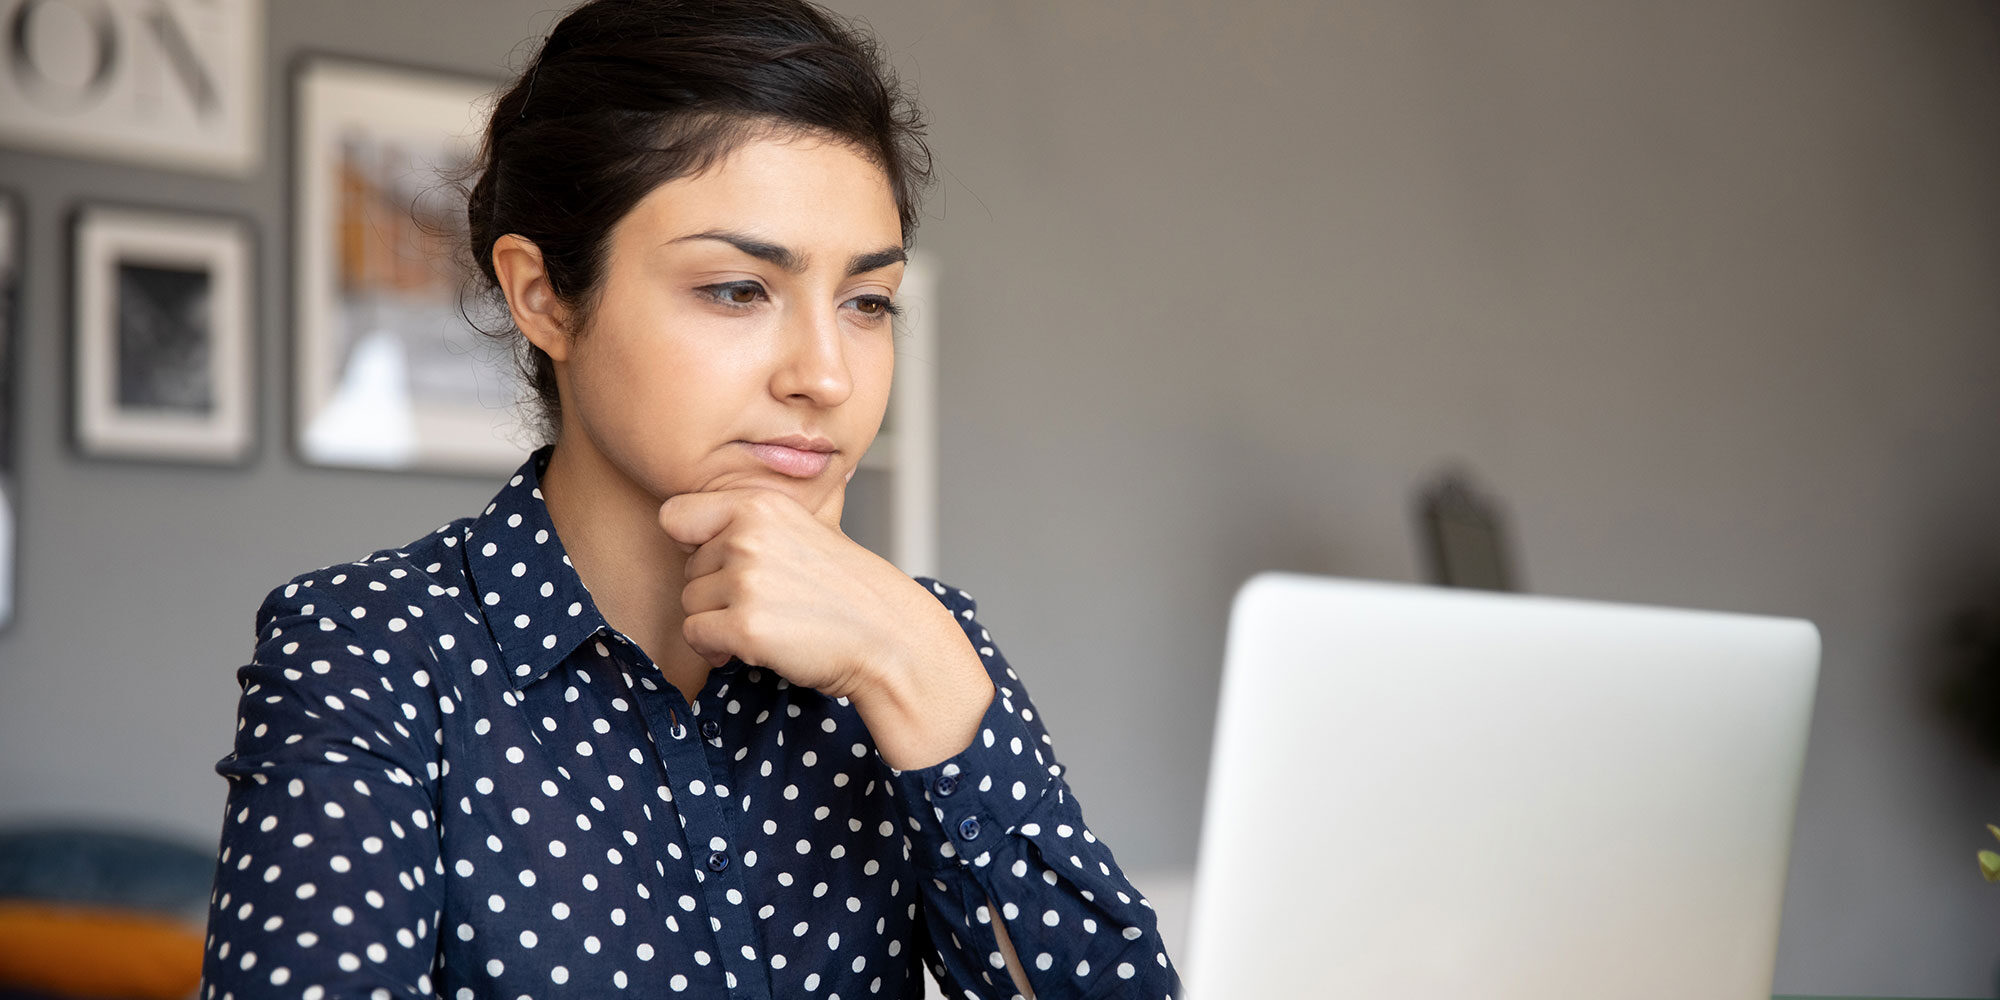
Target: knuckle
x,y
741,543
754,626
672,510
695,630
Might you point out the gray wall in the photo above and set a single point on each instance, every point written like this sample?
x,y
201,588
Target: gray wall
x,y
1707,291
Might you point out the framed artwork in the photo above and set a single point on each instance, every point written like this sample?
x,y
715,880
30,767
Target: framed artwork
x,y
11,225
163,83
390,374
161,342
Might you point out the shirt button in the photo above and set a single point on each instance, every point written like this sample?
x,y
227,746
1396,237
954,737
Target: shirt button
x,y
718,861
710,729
945,785
969,828
678,732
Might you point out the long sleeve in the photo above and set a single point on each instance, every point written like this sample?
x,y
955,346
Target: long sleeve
x,y
452,777
998,827
328,883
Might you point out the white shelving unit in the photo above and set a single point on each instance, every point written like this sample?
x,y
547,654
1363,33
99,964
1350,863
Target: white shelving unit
x,y
905,452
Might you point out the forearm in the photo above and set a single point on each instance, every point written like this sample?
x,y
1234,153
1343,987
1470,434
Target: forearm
x,y
924,702
1018,891
1011,957
1058,915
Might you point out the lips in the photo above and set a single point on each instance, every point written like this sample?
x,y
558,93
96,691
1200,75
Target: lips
x,y
797,456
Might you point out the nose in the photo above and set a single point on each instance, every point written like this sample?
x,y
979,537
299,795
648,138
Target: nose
x,y
812,362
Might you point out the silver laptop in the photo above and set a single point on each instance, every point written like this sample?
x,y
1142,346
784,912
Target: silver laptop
x,y
1431,793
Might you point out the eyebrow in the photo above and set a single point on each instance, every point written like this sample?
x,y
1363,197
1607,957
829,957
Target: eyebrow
x,y
862,263
791,260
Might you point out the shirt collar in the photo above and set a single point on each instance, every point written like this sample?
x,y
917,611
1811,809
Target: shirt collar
x,y
536,607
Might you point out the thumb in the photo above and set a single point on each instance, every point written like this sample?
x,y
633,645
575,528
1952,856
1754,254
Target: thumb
x,y
692,519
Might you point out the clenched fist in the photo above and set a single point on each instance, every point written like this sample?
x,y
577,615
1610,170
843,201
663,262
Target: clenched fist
x,y
779,586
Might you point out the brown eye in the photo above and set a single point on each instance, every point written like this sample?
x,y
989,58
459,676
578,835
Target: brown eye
x,y
735,293
873,306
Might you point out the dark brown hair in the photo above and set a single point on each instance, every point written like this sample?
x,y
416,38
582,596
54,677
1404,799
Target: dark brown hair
x,y
628,94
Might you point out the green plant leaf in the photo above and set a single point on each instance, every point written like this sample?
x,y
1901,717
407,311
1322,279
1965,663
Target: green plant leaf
x,y
1989,865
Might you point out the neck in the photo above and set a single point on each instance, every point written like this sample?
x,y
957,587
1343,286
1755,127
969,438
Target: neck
x,y
610,529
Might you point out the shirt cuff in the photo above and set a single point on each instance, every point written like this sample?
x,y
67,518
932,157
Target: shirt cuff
x,y
967,803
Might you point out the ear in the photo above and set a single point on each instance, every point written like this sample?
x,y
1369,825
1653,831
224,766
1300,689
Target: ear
x,y
538,314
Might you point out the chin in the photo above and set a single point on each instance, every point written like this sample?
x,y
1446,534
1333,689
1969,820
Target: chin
x,y
810,493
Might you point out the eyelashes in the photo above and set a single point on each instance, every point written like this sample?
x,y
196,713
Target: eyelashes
x,y
735,293
746,294
876,306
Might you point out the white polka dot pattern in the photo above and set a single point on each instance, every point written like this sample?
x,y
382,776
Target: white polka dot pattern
x,y
452,778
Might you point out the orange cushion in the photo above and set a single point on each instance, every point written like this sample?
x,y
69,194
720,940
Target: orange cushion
x,y
96,951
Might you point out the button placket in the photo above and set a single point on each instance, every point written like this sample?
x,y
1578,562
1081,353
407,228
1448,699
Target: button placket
x,y
704,822
711,822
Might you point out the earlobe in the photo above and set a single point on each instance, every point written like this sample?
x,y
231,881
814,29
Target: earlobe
x,y
537,313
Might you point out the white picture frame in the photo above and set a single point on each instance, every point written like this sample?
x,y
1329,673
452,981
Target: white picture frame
x,y
389,373
162,335
174,84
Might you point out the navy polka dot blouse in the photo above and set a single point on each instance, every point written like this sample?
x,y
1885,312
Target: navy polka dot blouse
x,y
452,778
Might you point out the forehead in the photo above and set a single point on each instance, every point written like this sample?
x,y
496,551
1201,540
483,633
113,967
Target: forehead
x,y
802,192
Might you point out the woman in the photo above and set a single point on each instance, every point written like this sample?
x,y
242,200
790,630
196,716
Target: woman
x,y
651,723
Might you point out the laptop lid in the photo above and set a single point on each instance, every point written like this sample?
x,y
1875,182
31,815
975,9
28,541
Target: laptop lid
x,y
1418,792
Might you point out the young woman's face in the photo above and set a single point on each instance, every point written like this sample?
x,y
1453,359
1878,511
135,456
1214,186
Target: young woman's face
x,y
742,337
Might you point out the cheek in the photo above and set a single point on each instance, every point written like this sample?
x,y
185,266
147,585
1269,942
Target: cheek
x,y
874,369
655,383
630,378
636,347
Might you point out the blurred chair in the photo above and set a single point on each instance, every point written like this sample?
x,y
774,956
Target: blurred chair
x,y
96,913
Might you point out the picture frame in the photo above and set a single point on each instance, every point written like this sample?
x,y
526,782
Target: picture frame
x,y
389,373
167,84
12,226
162,305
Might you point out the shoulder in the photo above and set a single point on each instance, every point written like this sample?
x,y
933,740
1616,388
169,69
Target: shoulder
x,y
378,594
349,650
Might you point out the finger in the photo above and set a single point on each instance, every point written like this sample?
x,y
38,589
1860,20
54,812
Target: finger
x,y
708,634
714,592
693,519
756,515
708,558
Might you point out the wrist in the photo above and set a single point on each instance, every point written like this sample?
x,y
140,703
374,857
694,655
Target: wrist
x,y
922,700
